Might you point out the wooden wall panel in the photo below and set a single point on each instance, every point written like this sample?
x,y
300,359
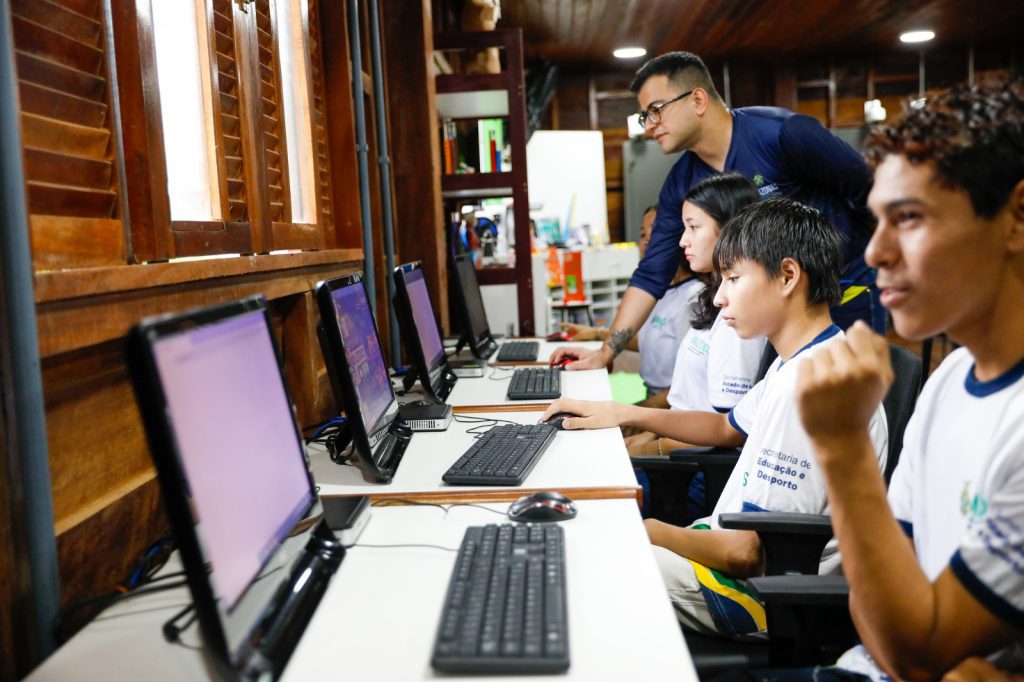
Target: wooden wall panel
x,y
415,145
340,125
10,621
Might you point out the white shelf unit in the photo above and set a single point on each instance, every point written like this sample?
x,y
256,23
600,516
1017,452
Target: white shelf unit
x,y
606,273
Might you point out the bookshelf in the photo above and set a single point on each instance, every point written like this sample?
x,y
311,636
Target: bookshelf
x,y
467,98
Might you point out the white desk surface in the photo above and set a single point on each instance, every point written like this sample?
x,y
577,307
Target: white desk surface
x,y
583,464
378,619
489,390
546,348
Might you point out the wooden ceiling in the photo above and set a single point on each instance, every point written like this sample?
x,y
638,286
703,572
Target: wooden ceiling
x,y
584,32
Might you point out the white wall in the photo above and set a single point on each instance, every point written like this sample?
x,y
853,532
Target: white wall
x,y
565,172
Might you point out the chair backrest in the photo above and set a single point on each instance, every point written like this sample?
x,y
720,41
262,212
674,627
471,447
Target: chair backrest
x,y
767,358
900,400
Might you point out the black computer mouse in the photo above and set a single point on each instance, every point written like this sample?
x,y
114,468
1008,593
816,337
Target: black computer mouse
x,y
546,505
558,418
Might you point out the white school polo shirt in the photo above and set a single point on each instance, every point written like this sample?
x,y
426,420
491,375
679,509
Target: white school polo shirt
x,y
777,470
664,330
958,490
714,368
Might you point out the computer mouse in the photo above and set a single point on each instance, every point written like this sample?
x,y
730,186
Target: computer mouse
x,y
558,336
557,418
547,505
565,360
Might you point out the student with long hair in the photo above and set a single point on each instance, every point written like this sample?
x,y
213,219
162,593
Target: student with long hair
x,y
713,367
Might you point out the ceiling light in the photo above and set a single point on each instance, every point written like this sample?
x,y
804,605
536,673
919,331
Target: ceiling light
x,y
917,36
629,52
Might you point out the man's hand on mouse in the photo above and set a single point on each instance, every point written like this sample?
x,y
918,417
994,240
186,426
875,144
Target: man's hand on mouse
x,y
592,414
585,359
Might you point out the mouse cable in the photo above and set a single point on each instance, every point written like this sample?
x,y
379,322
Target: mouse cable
x,y
102,602
507,369
360,544
172,630
446,508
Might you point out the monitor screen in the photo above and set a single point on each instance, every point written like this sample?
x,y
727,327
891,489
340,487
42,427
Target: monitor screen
x,y
476,316
237,443
362,351
423,317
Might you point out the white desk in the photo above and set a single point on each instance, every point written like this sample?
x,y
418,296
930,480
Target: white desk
x,y
583,464
621,625
488,391
546,349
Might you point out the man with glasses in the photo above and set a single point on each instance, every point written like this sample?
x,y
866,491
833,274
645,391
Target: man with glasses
x,y
785,154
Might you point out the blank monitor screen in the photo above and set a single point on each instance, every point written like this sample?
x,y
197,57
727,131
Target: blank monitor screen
x,y
423,317
237,442
362,351
471,295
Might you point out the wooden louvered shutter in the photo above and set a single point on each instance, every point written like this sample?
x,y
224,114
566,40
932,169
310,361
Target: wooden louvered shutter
x,y
228,105
68,135
325,210
271,132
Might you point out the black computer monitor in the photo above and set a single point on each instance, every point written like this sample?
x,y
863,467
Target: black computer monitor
x,y
422,337
359,376
471,308
233,473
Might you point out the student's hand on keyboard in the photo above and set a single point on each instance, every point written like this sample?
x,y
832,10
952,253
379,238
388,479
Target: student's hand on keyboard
x,y
592,414
840,386
586,359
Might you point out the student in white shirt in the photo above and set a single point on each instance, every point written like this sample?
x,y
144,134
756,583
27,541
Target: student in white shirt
x,y
937,574
780,264
659,338
713,367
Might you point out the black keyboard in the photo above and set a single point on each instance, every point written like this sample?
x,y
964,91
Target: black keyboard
x,y
518,351
534,383
505,611
502,455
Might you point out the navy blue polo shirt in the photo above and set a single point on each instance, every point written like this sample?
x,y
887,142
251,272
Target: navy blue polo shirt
x,y
785,154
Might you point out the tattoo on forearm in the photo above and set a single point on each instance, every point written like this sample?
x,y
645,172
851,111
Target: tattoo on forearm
x,y
619,339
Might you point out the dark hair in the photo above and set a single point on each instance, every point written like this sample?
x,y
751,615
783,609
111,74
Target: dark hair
x,y
973,134
774,229
684,69
721,197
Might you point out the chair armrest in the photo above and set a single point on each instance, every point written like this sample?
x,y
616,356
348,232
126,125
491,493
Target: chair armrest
x,y
779,522
664,464
811,590
704,455
716,464
792,543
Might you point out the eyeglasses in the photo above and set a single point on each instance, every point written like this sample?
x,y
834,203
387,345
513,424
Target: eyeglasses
x,y
653,112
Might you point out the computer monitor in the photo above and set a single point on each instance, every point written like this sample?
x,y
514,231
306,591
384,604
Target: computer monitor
x,y
359,375
471,307
232,468
422,337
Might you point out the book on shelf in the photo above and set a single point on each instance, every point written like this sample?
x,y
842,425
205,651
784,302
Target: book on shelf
x,y
450,146
490,140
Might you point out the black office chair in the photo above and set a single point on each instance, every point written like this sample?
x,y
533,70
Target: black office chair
x,y
669,478
808,614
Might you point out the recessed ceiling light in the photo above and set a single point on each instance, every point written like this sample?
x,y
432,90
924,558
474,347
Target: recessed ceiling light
x,y
629,52
917,36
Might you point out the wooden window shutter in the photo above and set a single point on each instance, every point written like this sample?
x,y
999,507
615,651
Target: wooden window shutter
x,y
68,135
320,139
226,86
275,154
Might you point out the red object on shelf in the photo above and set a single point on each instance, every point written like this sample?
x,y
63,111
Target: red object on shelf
x,y
572,277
